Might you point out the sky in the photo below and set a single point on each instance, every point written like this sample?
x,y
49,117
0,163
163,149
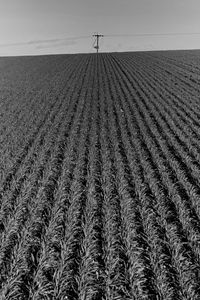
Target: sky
x,y
35,27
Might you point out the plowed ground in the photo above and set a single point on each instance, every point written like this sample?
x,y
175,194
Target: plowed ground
x,y
100,176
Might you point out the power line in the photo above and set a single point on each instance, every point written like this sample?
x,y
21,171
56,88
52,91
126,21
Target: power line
x,y
96,42
45,41
152,34
57,40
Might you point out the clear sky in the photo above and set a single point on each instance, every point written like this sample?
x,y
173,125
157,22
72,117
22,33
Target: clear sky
x,y
44,26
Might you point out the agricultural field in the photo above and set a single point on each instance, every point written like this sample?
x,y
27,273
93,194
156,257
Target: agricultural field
x,y
100,176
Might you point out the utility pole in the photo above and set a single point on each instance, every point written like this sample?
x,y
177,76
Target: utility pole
x,y
97,37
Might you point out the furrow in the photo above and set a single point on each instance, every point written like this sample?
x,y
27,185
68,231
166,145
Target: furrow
x,y
45,280
68,275
142,277
188,275
37,134
28,252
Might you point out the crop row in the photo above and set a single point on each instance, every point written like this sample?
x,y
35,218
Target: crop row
x,y
100,199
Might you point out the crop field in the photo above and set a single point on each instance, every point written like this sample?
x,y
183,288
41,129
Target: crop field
x,y
100,176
